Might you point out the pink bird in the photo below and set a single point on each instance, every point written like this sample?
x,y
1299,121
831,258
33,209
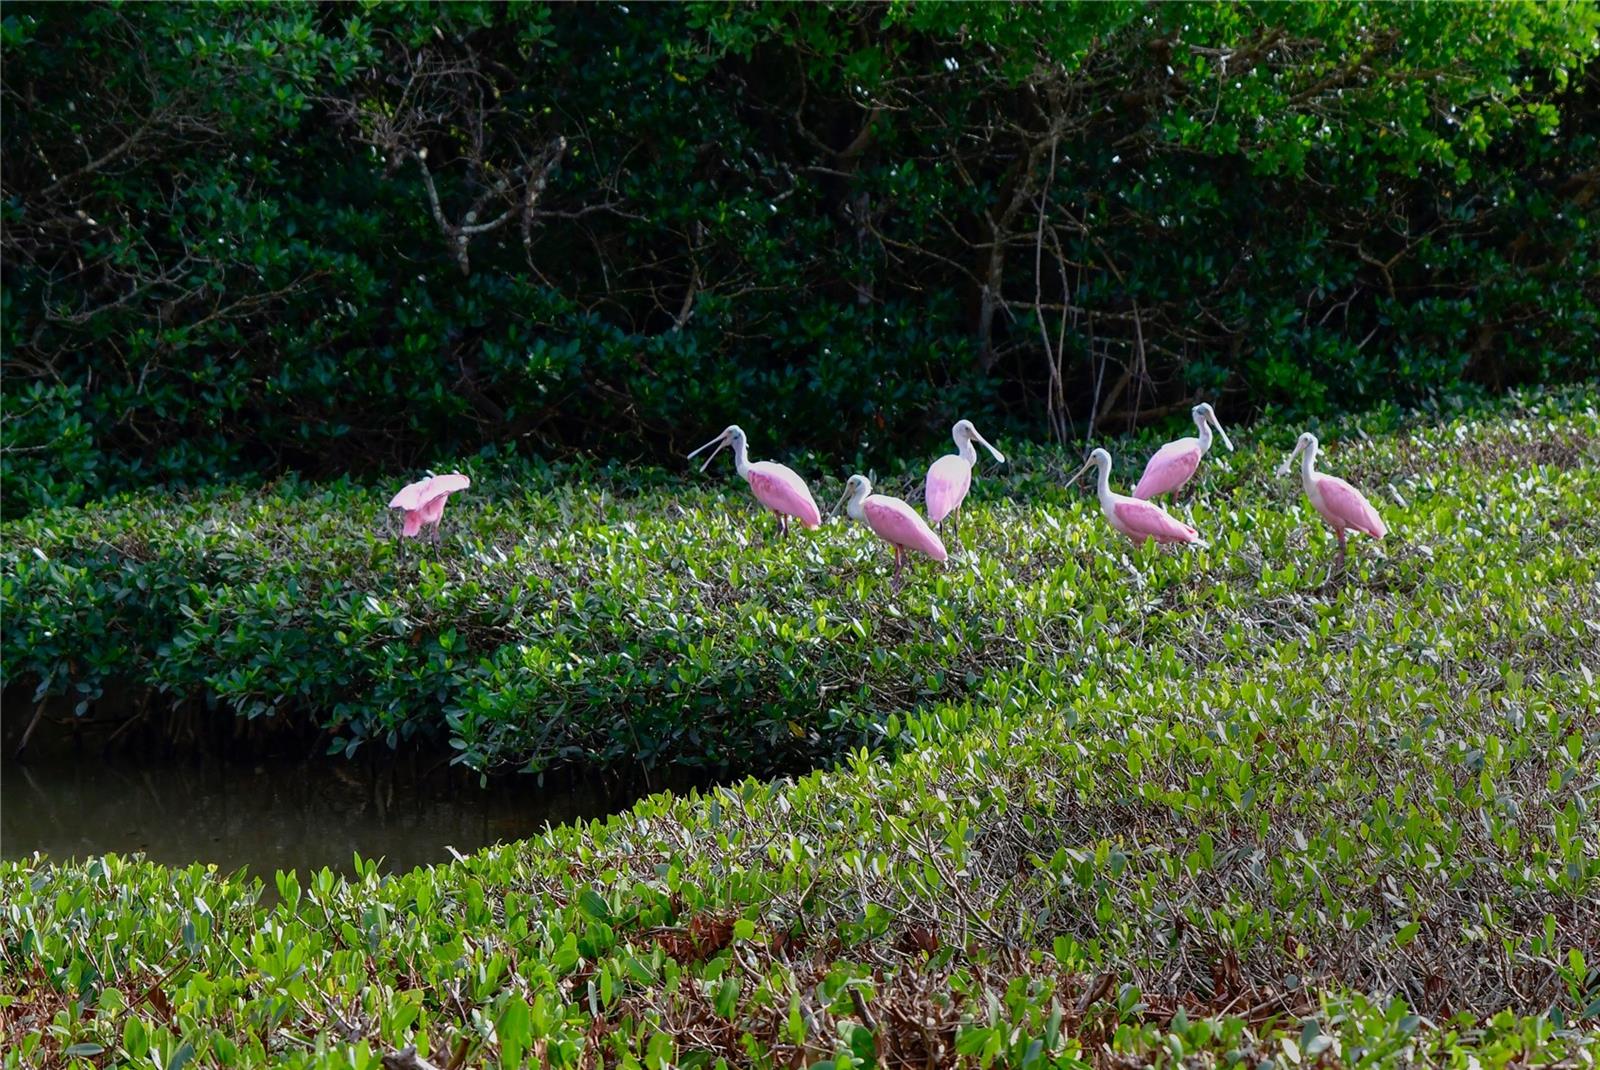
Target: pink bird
x,y
423,502
950,477
1140,521
775,486
893,521
1341,505
1174,463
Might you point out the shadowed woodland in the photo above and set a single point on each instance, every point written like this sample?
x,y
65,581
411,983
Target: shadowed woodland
x,y
250,240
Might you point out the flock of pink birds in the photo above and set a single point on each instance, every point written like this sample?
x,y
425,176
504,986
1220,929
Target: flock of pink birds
x,y
781,490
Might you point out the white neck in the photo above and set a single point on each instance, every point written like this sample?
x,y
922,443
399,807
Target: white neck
x,y
1308,465
741,456
966,450
1103,484
1205,434
854,508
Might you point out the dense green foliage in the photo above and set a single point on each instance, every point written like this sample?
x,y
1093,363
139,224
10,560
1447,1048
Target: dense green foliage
x,y
650,621
1208,799
248,238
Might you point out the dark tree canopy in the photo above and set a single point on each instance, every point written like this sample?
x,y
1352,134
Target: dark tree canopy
x,y
255,238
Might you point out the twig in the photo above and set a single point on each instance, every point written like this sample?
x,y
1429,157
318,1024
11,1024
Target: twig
x,y
1051,357
38,712
406,1059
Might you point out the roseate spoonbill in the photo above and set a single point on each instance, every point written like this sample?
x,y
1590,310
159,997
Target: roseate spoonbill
x,y
950,477
1341,505
775,486
1139,520
1174,464
423,502
893,521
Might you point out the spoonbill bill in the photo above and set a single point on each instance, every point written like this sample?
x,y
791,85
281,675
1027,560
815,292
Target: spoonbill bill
x,y
893,521
1341,505
950,477
1139,520
775,486
423,503
1175,463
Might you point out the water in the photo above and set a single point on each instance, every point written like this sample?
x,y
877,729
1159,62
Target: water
x,y
274,815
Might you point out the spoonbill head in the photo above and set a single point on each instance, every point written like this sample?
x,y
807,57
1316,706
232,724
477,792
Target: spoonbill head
x,y
775,486
1140,521
965,435
892,520
1342,506
1205,419
950,477
732,435
1175,463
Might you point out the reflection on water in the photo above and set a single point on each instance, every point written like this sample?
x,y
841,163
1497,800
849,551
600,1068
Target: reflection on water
x,y
271,816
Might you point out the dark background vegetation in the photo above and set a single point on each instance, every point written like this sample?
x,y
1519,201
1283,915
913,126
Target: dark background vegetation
x,y
322,238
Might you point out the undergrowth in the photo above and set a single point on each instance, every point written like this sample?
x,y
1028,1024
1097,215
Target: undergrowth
x,y
641,619
1122,806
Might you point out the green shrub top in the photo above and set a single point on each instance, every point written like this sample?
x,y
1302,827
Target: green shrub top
x,y
663,621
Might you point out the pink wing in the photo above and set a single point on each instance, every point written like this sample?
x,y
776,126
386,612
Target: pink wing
x,y
896,522
949,478
412,523
1347,507
448,484
778,488
438,491
410,496
416,495
1169,469
433,508
1142,520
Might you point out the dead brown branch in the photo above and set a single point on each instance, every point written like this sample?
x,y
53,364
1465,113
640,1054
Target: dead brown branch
x,y
441,97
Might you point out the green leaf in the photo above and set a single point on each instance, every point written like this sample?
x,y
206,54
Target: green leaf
x,y
594,905
514,1032
727,997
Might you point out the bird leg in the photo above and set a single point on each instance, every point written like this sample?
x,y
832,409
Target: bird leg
x,y
783,526
899,563
1337,567
955,527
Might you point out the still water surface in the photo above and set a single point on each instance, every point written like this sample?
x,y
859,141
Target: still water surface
x,y
270,816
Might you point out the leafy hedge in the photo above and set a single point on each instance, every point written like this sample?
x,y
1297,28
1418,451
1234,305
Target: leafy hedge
x,y
1219,812
580,616
266,238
